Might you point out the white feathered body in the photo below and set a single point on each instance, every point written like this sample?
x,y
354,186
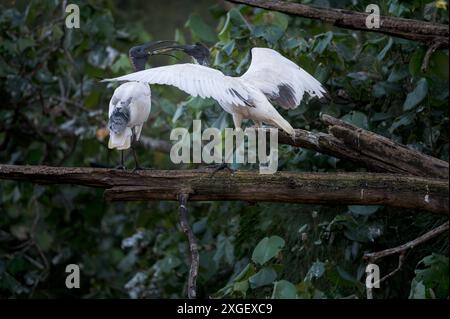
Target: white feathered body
x,y
270,77
136,97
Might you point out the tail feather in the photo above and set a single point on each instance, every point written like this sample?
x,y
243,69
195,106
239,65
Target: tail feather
x,y
280,122
121,141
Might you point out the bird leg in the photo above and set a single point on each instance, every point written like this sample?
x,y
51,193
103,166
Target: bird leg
x,y
237,120
121,166
137,167
257,124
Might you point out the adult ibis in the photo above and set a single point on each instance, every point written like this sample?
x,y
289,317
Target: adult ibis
x,y
270,78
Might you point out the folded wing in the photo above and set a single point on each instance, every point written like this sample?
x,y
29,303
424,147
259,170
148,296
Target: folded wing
x,y
280,79
196,80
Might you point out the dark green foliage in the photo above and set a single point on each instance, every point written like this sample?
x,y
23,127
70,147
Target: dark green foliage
x,y
53,112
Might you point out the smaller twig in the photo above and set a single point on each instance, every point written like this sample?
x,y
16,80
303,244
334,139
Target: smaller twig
x,y
193,247
369,291
426,60
401,258
411,244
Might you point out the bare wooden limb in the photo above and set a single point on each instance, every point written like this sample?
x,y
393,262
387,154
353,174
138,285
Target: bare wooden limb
x,y
330,145
409,245
416,30
426,60
379,149
193,247
401,259
368,149
395,190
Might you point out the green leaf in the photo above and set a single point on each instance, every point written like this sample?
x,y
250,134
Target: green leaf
x,y
267,248
263,277
380,116
270,33
284,289
363,210
178,113
281,20
44,240
225,34
168,263
221,122
322,72
241,287
24,43
234,20
439,64
316,271
12,284
433,276
415,63
229,47
357,118
417,290
121,65
402,121
200,29
323,43
383,52
399,72
245,273
179,37
417,95
225,250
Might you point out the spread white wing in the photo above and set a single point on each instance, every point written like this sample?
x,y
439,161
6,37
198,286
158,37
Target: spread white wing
x,y
196,80
280,79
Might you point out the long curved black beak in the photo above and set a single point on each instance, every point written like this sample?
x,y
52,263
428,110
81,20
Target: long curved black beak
x,y
164,48
156,47
199,52
139,54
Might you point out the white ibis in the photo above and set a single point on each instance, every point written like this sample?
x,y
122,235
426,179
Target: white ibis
x,y
130,106
270,77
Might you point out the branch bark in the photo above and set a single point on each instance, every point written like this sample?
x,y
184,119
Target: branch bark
x,y
409,245
291,187
330,145
384,150
373,151
193,248
416,30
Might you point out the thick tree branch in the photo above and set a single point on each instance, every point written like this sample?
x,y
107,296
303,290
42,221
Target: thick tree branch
x,y
371,150
291,187
422,31
386,151
330,145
